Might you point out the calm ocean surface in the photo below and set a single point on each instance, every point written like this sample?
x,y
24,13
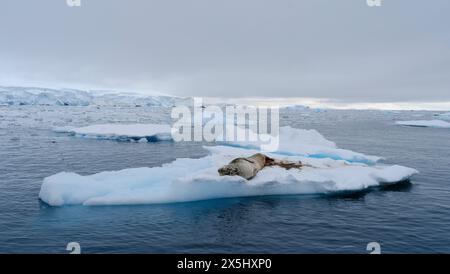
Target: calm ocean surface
x,y
407,218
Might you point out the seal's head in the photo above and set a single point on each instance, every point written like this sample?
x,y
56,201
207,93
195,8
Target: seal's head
x,y
229,170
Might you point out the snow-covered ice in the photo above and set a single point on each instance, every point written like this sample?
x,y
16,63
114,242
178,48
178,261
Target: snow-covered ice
x,y
197,179
309,143
291,141
425,123
73,97
122,132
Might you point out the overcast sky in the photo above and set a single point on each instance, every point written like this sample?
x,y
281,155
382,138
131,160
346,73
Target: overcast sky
x,y
343,50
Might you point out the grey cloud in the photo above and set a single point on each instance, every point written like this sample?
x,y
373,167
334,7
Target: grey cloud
x,y
342,50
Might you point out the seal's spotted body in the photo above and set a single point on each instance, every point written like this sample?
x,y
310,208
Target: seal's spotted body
x,y
248,167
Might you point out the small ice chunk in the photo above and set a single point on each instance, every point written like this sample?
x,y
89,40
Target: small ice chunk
x,y
445,116
425,123
143,140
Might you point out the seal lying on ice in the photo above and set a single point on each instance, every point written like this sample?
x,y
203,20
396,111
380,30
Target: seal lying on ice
x,y
248,167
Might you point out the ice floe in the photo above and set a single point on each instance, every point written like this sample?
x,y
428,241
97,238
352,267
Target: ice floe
x,y
289,141
122,132
187,179
425,123
309,143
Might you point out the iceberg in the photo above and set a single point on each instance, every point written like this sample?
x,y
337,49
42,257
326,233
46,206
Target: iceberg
x,y
186,179
425,123
122,132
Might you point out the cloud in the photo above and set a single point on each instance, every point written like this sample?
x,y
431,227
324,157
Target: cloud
x,y
342,50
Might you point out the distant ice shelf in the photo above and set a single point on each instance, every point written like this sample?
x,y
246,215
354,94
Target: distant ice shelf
x,y
122,132
14,96
425,123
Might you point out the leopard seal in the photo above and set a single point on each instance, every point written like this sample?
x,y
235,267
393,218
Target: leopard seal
x,y
248,167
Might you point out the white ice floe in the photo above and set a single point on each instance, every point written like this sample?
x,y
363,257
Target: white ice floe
x,y
291,141
197,179
425,123
124,132
309,143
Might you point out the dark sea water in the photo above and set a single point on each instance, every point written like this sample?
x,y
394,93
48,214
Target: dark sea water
x,y
406,218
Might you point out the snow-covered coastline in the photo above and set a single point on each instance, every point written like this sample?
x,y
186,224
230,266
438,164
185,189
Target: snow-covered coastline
x,y
14,96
